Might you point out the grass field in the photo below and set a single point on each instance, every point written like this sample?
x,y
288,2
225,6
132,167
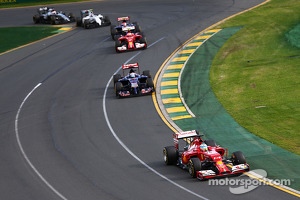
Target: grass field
x,y
256,73
14,37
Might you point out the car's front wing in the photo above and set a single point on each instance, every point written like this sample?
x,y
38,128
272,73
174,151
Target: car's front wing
x,y
234,170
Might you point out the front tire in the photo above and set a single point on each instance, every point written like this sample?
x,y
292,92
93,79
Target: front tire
x,y
143,40
150,82
118,44
36,19
118,88
78,22
194,166
238,158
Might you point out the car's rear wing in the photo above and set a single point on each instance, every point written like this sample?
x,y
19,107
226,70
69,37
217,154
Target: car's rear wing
x,y
185,134
131,66
123,18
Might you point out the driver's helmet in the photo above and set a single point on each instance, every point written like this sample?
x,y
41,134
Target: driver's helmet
x,y
124,23
132,75
203,147
129,33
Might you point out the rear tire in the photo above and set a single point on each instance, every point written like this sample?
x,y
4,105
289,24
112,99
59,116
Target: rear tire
x,y
72,17
113,31
170,154
211,143
147,73
105,21
116,78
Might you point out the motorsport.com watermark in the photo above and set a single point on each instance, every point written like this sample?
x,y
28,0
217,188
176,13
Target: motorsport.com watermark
x,y
243,184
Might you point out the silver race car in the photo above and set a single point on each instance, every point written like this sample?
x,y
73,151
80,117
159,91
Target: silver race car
x,y
47,15
88,19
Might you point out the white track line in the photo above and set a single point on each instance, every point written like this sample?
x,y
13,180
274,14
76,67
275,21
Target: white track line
x,y
22,150
127,149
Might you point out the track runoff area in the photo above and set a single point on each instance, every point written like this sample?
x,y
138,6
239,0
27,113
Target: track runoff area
x,y
186,102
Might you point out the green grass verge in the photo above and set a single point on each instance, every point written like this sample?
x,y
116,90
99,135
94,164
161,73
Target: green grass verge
x,y
256,73
13,37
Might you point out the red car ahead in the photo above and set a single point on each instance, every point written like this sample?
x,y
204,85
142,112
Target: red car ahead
x,y
203,158
130,41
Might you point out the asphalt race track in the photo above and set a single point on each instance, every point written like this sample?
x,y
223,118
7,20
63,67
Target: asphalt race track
x,y
64,134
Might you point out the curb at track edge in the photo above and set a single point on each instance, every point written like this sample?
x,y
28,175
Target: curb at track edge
x,y
167,120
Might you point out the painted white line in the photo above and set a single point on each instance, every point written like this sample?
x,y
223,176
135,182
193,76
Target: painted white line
x,y
112,131
22,150
19,141
127,149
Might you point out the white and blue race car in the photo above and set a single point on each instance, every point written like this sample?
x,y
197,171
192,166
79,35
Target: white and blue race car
x,y
88,19
47,15
133,83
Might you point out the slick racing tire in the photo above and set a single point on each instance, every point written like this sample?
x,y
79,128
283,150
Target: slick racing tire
x,y
147,73
238,158
118,44
116,78
194,166
71,17
52,20
137,27
105,21
170,154
143,40
113,31
36,19
118,88
150,82
78,22
211,143
86,24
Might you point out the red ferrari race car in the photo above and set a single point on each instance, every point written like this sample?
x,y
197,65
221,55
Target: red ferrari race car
x,y
203,159
133,84
130,41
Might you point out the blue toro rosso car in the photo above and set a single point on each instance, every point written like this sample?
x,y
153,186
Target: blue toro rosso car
x,y
133,83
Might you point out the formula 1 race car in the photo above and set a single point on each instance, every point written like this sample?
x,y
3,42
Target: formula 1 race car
x,y
133,84
88,19
130,41
203,159
48,15
123,26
